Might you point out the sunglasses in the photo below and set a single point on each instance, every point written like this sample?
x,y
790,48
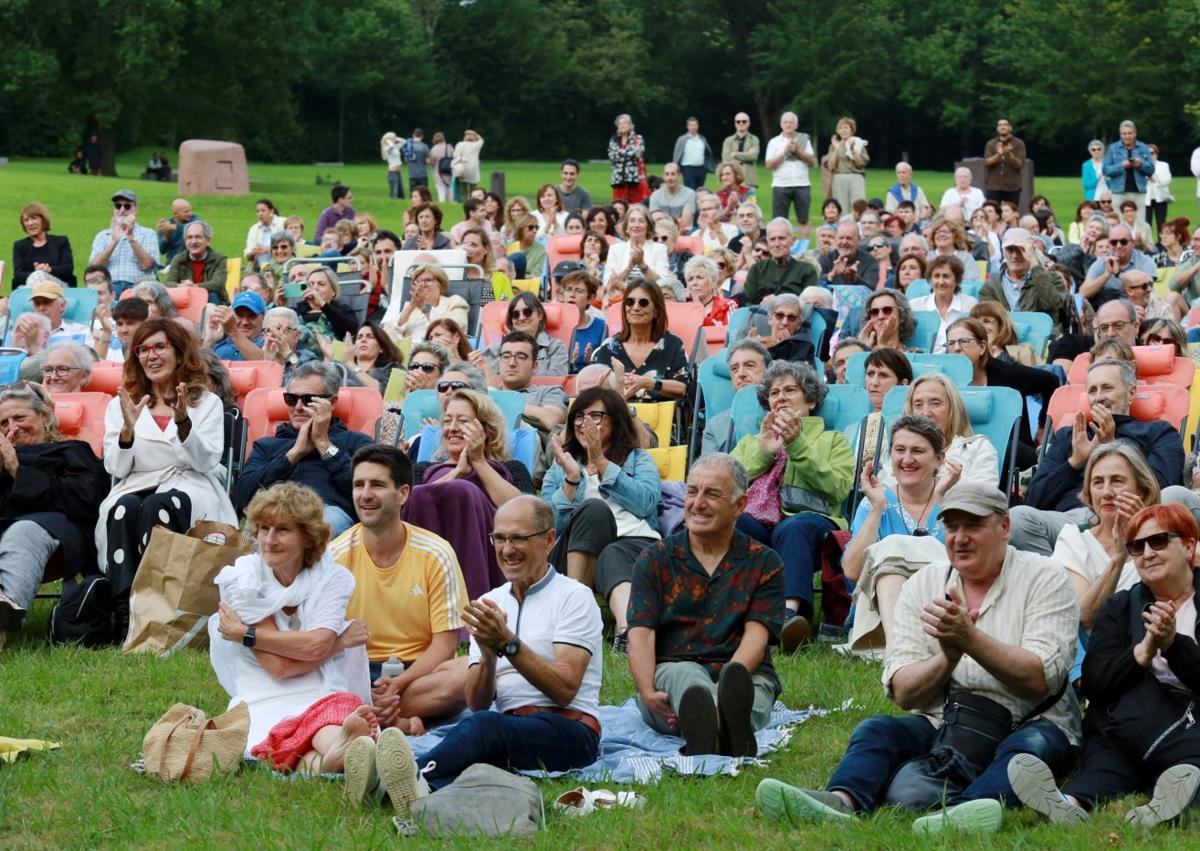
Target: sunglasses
x,y
1155,340
638,302
661,238
886,310
875,246
1157,542
424,367
290,399
1137,287
122,205
523,312
1112,241
450,386
742,121
786,317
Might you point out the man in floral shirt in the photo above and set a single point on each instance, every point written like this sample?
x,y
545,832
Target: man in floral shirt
x,y
705,607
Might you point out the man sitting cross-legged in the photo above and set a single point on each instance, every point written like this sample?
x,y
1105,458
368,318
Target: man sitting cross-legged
x,y
409,590
982,649
705,607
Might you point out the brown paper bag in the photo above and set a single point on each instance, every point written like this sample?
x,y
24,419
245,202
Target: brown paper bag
x,y
173,591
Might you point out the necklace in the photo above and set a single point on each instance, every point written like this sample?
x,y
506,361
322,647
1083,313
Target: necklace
x,y
918,530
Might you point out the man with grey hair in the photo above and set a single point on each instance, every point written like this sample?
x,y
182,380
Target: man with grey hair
x,y
66,366
705,607
170,231
748,360
779,272
903,190
788,158
1052,498
1127,164
199,265
1103,279
848,263
312,448
786,339
281,339
750,229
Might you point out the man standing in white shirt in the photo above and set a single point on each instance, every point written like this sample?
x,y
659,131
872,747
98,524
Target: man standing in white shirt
x,y
788,157
1196,168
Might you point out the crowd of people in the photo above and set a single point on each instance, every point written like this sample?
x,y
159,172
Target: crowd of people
x,y
998,602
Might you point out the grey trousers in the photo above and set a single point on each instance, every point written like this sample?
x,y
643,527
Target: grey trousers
x,y
1037,531
677,677
25,550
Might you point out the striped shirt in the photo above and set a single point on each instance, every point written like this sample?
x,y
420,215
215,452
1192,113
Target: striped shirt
x,y
1030,606
403,604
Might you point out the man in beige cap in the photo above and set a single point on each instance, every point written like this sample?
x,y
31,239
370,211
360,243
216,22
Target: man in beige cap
x,y
47,300
1023,283
984,640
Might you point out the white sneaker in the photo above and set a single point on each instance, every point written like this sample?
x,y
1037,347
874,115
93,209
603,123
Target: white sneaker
x,y
1034,784
1173,793
362,776
398,770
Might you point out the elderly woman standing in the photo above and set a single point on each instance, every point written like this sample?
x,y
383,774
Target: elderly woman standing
x,y
626,152
163,439
67,367
49,491
282,644
799,473
391,148
702,277
846,160
465,164
441,150
427,301
1141,674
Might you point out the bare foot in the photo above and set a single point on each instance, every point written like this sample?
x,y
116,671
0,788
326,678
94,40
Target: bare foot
x,y
360,722
411,726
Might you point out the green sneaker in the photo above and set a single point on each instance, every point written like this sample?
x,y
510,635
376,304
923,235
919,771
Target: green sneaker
x,y
1173,793
1034,784
780,801
981,816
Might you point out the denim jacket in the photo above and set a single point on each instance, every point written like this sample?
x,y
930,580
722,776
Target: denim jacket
x,y
634,485
1114,171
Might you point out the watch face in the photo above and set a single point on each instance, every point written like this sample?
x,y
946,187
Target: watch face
x,y
511,648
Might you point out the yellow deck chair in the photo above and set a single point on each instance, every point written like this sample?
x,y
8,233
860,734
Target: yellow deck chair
x,y
397,387
1193,418
233,276
983,269
1160,281
528,285
659,416
671,461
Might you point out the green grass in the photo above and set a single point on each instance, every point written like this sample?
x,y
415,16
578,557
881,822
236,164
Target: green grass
x,y
99,704
79,206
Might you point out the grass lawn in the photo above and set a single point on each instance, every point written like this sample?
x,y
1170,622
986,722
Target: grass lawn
x,y
79,206
100,704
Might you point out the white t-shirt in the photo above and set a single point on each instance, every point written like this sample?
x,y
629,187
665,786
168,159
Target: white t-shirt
x,y
1082,553
790,172
556,610
629,525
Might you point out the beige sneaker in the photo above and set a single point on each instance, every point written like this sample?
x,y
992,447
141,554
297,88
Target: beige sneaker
x,y
397,769
362,776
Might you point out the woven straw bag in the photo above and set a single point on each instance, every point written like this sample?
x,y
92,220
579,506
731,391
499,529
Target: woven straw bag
x,y
186,745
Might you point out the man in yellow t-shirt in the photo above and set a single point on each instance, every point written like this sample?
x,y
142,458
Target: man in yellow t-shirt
x,y
409,590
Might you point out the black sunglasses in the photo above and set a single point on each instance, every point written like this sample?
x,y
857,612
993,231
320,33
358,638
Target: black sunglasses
x,y
424,367
1157,542
1112,241
451,386
122,205
290,399
523,312
638,302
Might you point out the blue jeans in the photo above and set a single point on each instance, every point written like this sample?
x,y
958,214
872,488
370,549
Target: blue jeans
x,y
338,520
798,541
693,175
881,745
395,181
544,740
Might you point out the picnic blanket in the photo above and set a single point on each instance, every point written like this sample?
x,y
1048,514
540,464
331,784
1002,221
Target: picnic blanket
x,y
631,752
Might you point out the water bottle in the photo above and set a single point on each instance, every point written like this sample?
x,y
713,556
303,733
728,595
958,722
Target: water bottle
x,y
393,667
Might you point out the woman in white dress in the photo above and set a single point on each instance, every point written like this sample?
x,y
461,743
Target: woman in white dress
x,y
281,643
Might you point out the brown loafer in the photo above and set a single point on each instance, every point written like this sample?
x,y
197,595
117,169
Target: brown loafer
x,y
796,631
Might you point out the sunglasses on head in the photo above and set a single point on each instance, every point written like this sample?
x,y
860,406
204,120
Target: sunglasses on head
x,y
1157,542
451,386
290,399
630,301
424,367
886,310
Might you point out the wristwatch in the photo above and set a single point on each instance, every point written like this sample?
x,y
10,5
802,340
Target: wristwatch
x,y
248,638
509,648
330,452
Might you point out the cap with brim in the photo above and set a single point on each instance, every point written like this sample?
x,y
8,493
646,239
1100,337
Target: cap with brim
x,y
877,203
251,301
1017,236
125,195
46,289
974,498
565,267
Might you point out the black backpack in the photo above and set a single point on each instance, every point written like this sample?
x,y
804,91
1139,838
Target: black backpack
x,y
84,614
446,166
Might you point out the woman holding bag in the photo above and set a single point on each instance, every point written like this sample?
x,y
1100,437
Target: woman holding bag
x,y
281,643
164,435
626,152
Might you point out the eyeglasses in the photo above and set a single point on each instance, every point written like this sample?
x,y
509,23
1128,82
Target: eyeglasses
x,y
58,371
122,205
523,312
1143,286
961,343
1113,327
661,237
1106,203
451,386
290,399
284,247
515,357
595,416
886,310
425,367
1157,542
155,348
741,121
875,246
1112,241
638,302
780,316
516,540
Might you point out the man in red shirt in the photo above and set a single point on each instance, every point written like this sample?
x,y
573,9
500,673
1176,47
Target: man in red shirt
x,y
199,265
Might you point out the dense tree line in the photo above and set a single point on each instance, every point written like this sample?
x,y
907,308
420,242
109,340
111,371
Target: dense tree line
x,y
298,80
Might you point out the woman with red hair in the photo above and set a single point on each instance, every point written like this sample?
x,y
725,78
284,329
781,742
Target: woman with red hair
x,y
1141,676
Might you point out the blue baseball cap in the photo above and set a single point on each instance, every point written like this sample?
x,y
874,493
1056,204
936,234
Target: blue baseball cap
x,y
253,301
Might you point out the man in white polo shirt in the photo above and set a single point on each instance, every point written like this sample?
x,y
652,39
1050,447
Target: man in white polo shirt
x,y
534,679
788,157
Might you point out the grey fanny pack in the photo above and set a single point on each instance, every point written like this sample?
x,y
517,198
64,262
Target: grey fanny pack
x,y
795,499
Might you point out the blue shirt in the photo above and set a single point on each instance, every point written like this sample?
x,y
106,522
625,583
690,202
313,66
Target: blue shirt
x,y
1012,289
897,521
1137,260
593,335
226,350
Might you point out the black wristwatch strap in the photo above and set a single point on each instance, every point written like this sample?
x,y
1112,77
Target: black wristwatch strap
x,y
248,638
